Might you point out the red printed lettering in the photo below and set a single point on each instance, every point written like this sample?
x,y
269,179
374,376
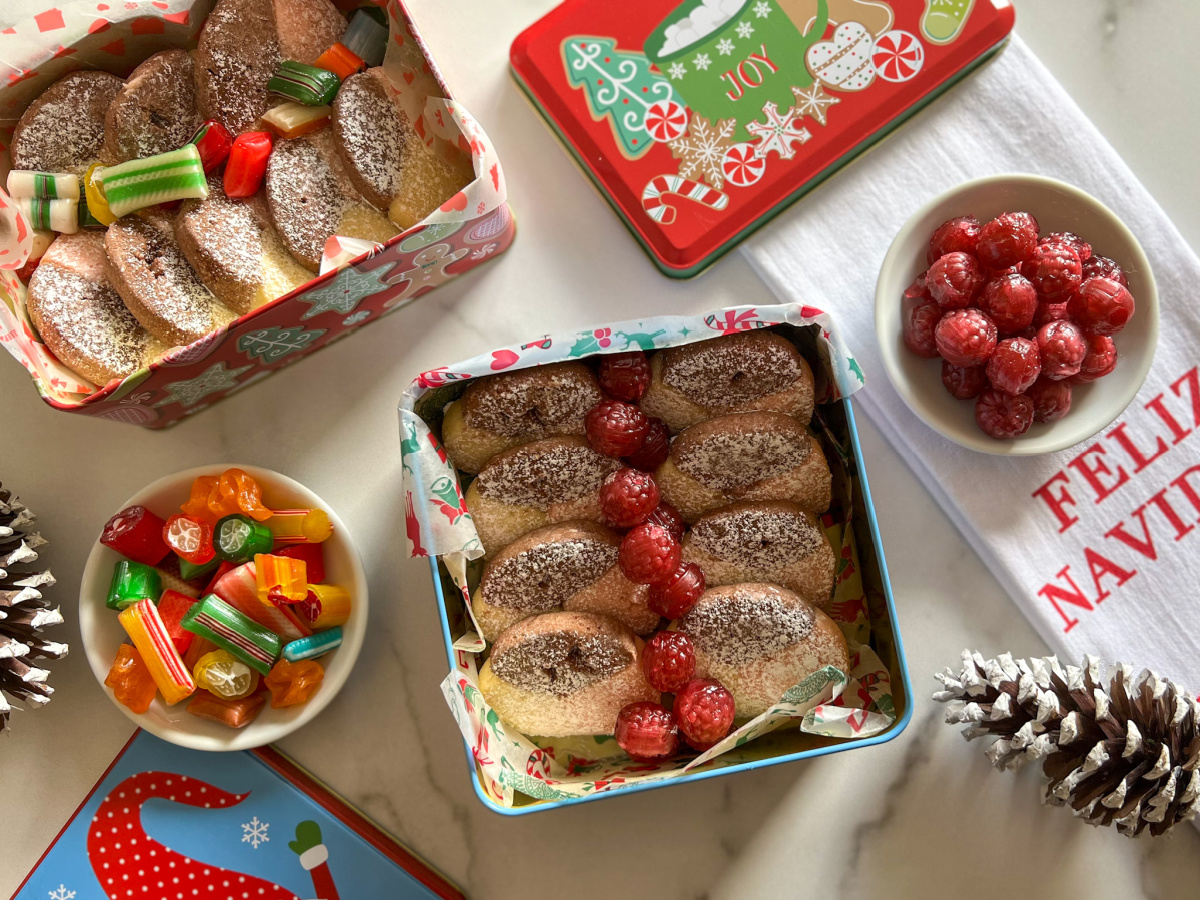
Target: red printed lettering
x,y
1058,596
1092,474
1139,458
1177,431
761,56
744,75
1192,377
1101,566
737,86
1057,503
1181,482
1168,511
1143,545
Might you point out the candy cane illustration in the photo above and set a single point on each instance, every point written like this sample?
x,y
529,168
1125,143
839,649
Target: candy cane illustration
x,y
655,203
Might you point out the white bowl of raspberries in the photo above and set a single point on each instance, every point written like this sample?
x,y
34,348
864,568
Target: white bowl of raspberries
x,y
1016,315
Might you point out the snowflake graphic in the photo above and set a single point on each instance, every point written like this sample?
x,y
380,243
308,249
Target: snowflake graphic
x,y
342,293
779,132
725,46
485,250
701,61
762,9
703,148
745,29
254,832
62,893
677,70
213,379
813,101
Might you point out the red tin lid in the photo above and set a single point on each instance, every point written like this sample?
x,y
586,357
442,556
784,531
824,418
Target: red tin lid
x,y
701,119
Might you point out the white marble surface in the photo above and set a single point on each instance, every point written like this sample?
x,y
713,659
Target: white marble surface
x,y
923,816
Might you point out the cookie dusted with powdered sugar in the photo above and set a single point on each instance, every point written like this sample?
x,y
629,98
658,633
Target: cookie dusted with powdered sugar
x,y
572,567
81,317
536,484
764,540
760,639
63,129
745,456
564,673
511,408
155,111
756,370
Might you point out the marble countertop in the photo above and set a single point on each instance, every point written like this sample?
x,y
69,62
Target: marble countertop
x,y
923,816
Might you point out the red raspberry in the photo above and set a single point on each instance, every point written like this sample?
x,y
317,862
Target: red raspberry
x,y
959,233
1100,360
1103,267
1011,301
615,428
669,661
1049,312
679,593
627,497
1055,270
1003,416
919,317
1051,399
1062,347
647,731
1072,240
625,375
965,337
704,712
1014,366
953,280
1101,306
669,518
649,554
654,450
962,382
1007,240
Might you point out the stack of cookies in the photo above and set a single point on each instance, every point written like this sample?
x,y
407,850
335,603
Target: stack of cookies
x,y
205,185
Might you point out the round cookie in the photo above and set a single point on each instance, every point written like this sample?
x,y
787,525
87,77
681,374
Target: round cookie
x,y
508,409
571,566
759,640
764,540
155,111
63,129
754,370
162,291
79,314
564,673
745,456
536,484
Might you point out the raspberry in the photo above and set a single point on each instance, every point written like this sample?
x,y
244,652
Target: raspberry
x,y
649,554
1007,240
647,731
1072,240
674,597
1051,399
1049,312
627,497
704,712
1055,270
1101,306
1003,416
953,280
1103,267
965,337
918,288
669,518
1100,360
1011,301
615,428
1062,347
962,382
958,234
654,449
669,661
919,317
1014,366
625,375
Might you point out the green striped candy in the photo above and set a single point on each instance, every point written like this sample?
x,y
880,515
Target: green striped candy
x,y
134,185
304,84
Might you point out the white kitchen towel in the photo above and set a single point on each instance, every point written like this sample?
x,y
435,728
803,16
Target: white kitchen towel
x,y
1097,545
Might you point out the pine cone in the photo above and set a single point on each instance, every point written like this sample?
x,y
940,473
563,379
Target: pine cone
x,y
1121,750
24,613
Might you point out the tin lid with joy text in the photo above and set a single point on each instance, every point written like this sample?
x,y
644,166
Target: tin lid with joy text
x,y
699,120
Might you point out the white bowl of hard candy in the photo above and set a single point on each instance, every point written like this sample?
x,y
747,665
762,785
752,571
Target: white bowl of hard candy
x,y
1016,315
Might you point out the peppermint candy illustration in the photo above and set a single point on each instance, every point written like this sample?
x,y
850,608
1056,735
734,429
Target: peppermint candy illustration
x,y
741,166
897,55
666,120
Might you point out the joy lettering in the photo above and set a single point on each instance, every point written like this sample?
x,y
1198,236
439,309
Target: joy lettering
x,y
749,73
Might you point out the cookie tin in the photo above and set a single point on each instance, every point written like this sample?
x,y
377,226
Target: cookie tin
x,y
699,120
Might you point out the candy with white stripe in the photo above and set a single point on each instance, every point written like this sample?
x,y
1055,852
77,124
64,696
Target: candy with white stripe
x,y
216,620
42,185
145,627
313,646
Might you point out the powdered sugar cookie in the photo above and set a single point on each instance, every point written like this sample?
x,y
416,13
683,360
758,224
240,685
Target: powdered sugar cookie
x,y
155,111
63,129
